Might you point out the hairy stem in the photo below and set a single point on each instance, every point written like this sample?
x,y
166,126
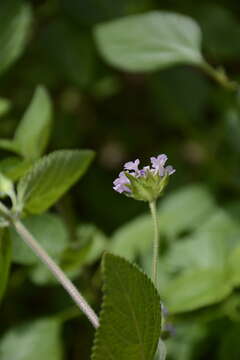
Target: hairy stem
x,y
57,272
155,241
220,77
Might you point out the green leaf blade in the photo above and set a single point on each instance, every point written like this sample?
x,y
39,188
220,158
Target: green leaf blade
x,y
151,41
130,320
51,177
15,20
36,340
197,288
33,132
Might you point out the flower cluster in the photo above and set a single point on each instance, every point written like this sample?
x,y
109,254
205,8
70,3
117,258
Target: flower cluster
x,y
144,184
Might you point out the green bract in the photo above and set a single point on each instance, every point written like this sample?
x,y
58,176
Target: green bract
x,y
147,188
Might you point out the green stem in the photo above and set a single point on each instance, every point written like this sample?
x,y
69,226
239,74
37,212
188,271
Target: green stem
x,y
153,210
220,77
57,272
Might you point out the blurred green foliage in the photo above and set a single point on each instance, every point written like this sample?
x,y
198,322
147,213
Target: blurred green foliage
x,y
59,90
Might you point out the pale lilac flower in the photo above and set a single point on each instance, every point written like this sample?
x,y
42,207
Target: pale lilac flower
x,y
169,170
158,164
144,184
132,165
121,182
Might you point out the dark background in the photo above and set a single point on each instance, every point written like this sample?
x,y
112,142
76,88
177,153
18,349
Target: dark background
x,y
178,111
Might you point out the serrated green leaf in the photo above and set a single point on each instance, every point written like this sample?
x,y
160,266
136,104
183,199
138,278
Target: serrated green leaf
x,y
197,288
51,177
32,134
5,259
50,232
151,41
130,320
15,19
37,340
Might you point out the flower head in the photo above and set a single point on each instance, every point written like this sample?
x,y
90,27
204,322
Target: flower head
x,y
147,183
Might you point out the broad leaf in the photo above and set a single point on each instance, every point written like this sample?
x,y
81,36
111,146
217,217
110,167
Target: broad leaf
x,y
50,232
224,223
15,19
33,132
196,289
130,320
37,340
184,254
51,177
5,259
185,209
150,41
133,237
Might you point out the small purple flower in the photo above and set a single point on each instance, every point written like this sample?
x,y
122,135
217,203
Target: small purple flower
x,y
121,182
132,165
158,164
144,184
169,170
